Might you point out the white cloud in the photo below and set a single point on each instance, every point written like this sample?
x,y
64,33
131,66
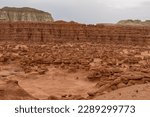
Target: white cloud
x,y
121,4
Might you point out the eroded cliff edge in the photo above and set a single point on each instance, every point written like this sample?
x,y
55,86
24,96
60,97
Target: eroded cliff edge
x,y
24,14
23,31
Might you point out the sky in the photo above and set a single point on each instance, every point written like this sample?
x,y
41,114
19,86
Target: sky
x,y
88,11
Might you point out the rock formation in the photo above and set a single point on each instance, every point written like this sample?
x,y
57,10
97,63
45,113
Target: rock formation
x,y
82,69
63,31
134,22
10,90
24,14
85,61
135,92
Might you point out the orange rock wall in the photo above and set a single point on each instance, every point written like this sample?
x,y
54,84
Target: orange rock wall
x,y
73,31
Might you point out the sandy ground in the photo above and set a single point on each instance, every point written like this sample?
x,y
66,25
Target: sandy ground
x,y
74,71
136,92
57,83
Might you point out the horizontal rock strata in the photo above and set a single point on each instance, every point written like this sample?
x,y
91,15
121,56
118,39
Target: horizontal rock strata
x,y
73,31
25,14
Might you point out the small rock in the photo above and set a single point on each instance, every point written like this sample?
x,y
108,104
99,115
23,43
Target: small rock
x,y
136,91
113,87
65,95
121,85
91,93
77,78
53,98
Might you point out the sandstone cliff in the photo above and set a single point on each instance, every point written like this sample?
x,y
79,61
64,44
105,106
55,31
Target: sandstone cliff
x,y
24,14
74,32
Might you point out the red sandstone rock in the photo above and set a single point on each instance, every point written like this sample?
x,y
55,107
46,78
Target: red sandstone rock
x,y
73,32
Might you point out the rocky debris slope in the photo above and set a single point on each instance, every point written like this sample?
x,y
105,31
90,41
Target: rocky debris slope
x,y
24,14
10,90
62,31
109,67
135,92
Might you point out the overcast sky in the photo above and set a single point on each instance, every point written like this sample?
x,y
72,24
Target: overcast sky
x,y
88,11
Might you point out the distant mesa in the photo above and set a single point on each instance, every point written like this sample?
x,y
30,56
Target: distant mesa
x,y
65,22
134,22
24,14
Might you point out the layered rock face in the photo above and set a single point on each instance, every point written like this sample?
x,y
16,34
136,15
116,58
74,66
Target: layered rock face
x,y
44,32
134,22
24,14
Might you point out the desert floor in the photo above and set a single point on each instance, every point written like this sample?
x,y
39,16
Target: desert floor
x,y
73,70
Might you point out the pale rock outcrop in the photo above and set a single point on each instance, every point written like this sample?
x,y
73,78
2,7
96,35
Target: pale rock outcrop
x,y
24,14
